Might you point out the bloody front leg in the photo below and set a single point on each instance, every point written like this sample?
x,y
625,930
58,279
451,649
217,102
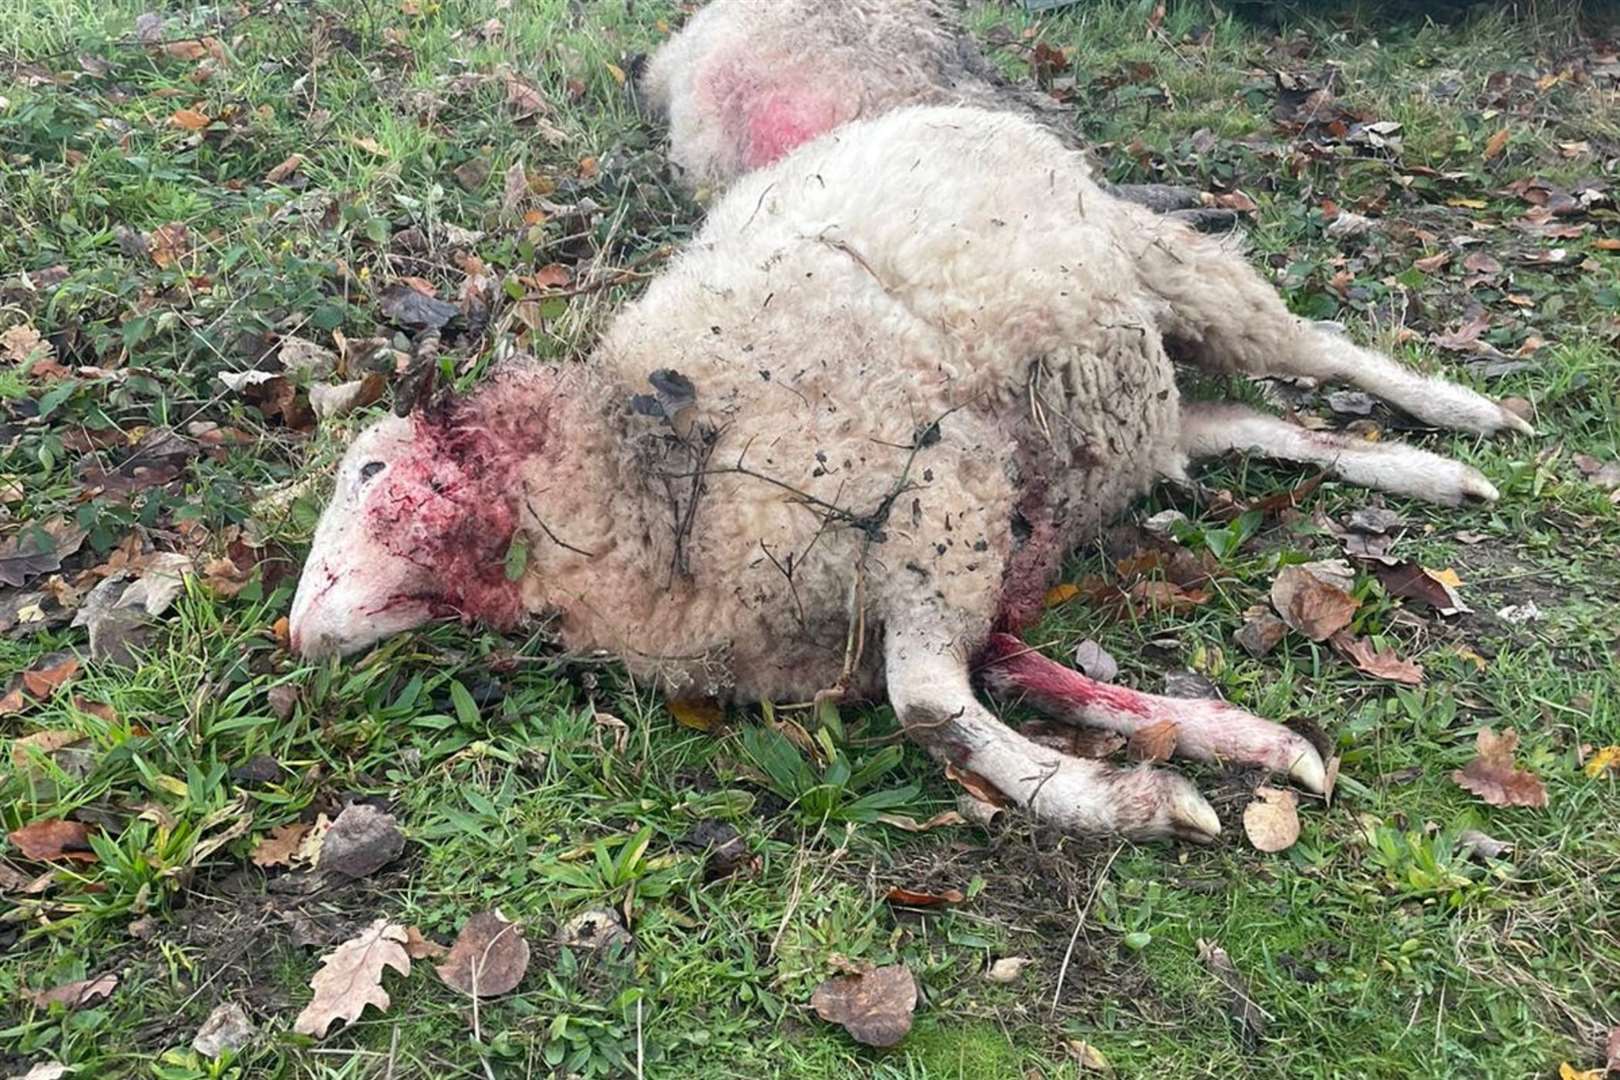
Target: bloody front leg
x,y
1205,730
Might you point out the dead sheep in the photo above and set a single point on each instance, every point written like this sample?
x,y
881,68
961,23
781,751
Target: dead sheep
x,y
843,443
746,81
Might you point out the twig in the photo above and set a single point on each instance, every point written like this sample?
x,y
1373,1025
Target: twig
x,y
1080,920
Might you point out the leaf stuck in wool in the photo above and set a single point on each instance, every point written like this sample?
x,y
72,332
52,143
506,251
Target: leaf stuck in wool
x,y
874,1006
350,978
1494,777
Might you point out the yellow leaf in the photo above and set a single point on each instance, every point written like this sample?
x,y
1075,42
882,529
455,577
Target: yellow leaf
x,y
173,785
1448,576
701,715
1471,656
1061,594
617,72
190,119
370,146
1604,760
1472,204
1566,1071
1496,143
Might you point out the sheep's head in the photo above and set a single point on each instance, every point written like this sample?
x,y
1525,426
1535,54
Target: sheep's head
x,y
419,525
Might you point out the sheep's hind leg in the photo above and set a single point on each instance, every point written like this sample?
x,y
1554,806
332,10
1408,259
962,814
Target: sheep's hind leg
x,y
1205,730
932,694
1209,429
1223,316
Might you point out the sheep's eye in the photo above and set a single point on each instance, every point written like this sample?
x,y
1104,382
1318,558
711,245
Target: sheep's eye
x,y
370,469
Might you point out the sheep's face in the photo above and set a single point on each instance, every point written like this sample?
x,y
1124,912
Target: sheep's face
x,y
418,529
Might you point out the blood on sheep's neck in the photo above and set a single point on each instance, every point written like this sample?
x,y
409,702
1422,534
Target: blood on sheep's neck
x,y
451,505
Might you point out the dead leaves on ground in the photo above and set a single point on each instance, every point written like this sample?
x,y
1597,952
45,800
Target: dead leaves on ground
x,y
874,1005
76,995
1271,820
50,839
350,978
1495,778
490,956
38,683
1315,598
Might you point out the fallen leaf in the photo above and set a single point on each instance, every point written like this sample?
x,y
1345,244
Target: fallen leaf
x,y
281,172
1061,594
596,929
1436,588
53,838
910,824
1604,760
1430,263
1613,1049
977,786
523,98
1260,634
190,120
489,957
1494,777
410,307
1566,1071
227,1029
361,841
418,946
76,995
1380,663
917,898
1495,144
168,244
44,1070
1007,969
1250,1018
1093,661
42,681
699,715
1472,842
874,1006
1154,742
1314,598
331,402
279,848
350,978
1088,1058
48,742
1271,820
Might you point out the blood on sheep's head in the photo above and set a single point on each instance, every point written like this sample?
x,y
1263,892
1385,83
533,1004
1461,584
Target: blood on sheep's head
x,y
419,525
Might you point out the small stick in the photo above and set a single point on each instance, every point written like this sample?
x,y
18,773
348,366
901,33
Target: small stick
x,y
1080,921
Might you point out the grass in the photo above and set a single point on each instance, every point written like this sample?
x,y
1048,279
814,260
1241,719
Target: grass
x,y
1375,947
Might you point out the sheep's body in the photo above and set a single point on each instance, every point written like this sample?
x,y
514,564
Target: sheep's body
x,y
927,355
827,313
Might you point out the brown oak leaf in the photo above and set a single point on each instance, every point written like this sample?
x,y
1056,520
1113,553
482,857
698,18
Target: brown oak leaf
x,y
1495,778
350,978
54,838
281,846
1379,663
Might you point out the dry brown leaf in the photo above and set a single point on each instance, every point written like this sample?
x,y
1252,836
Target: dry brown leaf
x,y
1379,663
1154,742
1007,969
1311,599
1496,143
168,244
981,789
1061,594
910,824
525,100
76,995
54,838
350,978
281,846
1271,820
190,119
1495,778
489,957
1089,1059
44,680
418,946
281,172
873,1006
918,898
45,742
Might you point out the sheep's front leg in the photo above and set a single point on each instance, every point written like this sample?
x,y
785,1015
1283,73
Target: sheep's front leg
x,y
1205,730
932,694
1209,429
